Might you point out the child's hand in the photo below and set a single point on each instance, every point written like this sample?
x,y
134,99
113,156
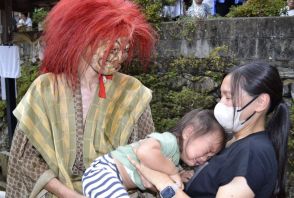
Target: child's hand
x,y
186,175
177,179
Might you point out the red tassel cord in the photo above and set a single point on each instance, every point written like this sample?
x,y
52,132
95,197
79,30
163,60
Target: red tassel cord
x,y
102,93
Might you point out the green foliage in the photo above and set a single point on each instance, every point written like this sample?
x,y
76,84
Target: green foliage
x,y
29,73
151,9
292,118
39,15
174,86
187,27
2,109
258,8
184,28
291,148
168,2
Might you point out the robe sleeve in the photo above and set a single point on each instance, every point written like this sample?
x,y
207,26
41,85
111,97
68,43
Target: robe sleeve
x,y
25,167
143,127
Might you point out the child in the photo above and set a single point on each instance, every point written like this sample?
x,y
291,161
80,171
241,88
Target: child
x,y
199,9
195,139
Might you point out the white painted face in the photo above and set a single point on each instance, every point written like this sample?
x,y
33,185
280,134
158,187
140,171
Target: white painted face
x,y
114,60
197,150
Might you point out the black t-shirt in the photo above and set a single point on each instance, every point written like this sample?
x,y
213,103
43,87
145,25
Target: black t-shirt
x,y
252,157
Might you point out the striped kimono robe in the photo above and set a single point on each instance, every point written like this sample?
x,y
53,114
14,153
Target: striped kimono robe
x,y
47,116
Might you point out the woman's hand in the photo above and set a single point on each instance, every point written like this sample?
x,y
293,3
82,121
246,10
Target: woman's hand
x,y
158,179
186,175
177,179
146,183
57,188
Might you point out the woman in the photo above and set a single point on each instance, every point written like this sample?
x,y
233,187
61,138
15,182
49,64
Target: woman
x,y
80,107
253,165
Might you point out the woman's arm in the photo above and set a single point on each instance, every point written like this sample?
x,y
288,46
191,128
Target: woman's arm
x,y
60,190
238,187
158,179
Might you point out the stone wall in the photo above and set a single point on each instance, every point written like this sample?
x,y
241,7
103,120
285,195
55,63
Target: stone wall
x,y
267,38
264,38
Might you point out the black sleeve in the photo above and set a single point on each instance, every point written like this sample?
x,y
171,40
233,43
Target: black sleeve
x,y
249,164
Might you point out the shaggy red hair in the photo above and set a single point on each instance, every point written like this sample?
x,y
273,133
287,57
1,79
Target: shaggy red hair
x,y
74,29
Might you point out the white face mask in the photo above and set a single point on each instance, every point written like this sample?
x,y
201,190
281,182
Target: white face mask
x,y
225,116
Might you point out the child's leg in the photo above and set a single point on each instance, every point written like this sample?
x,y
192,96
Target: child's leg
x,y
102,179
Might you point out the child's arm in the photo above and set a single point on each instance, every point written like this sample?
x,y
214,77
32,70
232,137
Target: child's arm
x,y
149,153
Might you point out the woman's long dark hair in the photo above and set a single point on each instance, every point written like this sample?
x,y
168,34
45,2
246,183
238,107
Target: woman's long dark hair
x,y
257,78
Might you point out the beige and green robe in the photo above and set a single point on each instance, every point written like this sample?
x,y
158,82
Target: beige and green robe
x,y
51,139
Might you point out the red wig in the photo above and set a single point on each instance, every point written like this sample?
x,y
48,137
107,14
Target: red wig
x,y
74,29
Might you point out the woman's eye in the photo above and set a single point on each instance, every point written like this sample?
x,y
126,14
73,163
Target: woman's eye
x,y
227,96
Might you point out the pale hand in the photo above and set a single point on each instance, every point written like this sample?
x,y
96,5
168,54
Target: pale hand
x,y
186,175
177,179
158,179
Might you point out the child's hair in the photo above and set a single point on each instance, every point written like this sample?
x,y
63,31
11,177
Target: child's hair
x,y
203,122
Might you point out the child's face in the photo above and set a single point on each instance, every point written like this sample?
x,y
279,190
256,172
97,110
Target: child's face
x,y
196,151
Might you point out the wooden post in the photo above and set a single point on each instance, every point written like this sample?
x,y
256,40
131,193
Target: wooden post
x,y
6,20
9,82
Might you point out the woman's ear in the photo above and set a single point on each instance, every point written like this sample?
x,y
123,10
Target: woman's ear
x,y
187,131
263,102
